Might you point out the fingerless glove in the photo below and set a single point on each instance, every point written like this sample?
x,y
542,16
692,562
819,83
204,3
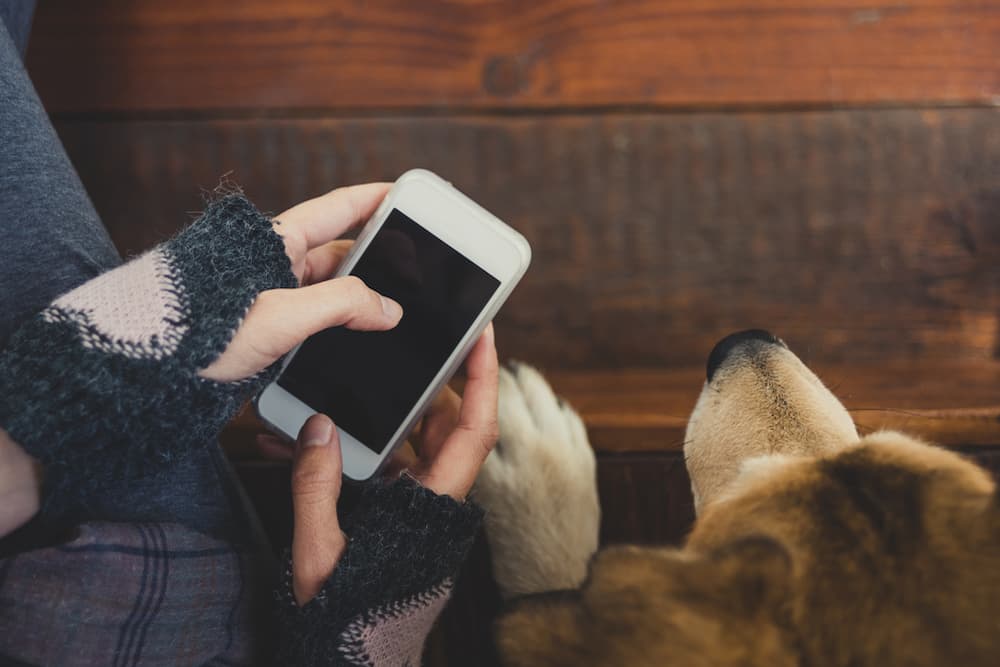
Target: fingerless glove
x,y
405,547
102,386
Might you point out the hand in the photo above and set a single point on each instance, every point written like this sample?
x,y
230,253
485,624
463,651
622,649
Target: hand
x,y
280,319
457,434
452,443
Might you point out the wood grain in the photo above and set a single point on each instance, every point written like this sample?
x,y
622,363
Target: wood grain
x,y
857,236
646,410
118,55
953,404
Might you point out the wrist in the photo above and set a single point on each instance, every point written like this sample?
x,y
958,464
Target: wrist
x,y
20,485
310,570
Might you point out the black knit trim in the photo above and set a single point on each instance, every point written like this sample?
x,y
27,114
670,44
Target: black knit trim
x,y
223,261
97,421
404,541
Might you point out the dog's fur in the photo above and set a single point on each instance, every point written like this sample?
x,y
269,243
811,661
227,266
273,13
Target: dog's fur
x,y
812,546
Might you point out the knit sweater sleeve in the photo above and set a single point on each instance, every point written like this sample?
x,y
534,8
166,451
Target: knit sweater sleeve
x,y
102,386
405,547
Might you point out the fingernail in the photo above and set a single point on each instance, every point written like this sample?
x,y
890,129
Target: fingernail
x,y
490,335
317,432
391,309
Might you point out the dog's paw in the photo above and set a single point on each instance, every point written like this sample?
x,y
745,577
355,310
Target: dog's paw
x,y
539,489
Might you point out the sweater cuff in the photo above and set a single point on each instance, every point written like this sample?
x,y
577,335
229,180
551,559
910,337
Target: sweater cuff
x,y
405,545
220,264
97,430
102,386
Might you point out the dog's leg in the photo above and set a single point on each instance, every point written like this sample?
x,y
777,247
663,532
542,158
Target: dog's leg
x,y
539,490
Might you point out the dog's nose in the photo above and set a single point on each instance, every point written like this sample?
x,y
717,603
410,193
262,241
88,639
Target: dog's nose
x,y
725,346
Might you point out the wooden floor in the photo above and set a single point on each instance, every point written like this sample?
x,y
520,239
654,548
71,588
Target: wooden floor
x,y
828,170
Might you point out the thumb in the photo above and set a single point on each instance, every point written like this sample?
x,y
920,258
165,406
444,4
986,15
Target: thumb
x,y
317,542
344,301
280,319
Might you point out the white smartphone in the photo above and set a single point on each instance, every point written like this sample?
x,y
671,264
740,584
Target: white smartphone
x,y
450,264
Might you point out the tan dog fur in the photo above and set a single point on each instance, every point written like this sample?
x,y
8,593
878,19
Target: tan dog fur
x,y
769,403
811,547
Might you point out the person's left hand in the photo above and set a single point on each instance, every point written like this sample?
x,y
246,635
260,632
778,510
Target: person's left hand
x,y
456,433
317,541
453,442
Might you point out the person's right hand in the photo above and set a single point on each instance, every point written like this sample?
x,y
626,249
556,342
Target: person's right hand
x,y
280,319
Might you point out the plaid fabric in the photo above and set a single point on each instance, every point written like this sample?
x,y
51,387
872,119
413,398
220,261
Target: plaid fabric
x,y
133,594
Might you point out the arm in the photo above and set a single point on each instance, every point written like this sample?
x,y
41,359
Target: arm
x,y
103,385
128,373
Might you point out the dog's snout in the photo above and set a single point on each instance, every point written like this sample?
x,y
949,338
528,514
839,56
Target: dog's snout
x,y
724,347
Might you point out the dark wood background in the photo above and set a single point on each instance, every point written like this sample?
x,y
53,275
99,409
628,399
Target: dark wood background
x,y
829,170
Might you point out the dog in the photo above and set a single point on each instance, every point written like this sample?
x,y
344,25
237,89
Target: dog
x,y
812,545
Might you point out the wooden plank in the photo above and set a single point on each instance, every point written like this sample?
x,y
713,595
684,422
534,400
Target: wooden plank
x,y
857,236
300,54
953,404
646,410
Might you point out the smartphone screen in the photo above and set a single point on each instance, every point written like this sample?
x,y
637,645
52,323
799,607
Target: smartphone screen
x,y
368,381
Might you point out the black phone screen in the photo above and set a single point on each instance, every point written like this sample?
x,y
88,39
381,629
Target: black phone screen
x,y
368,381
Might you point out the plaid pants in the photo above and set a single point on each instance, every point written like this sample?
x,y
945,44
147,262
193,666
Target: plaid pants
x,y
131,594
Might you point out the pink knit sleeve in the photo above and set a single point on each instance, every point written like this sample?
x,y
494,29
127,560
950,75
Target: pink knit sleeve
x,y
394,634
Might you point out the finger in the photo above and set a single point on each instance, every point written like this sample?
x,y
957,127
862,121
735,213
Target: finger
x,y
479,400
285,318
322,261
346,302
325,218
317,542
457,463
438,423
280,319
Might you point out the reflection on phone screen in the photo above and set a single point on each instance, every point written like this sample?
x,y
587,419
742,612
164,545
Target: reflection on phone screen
x,y
368,381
